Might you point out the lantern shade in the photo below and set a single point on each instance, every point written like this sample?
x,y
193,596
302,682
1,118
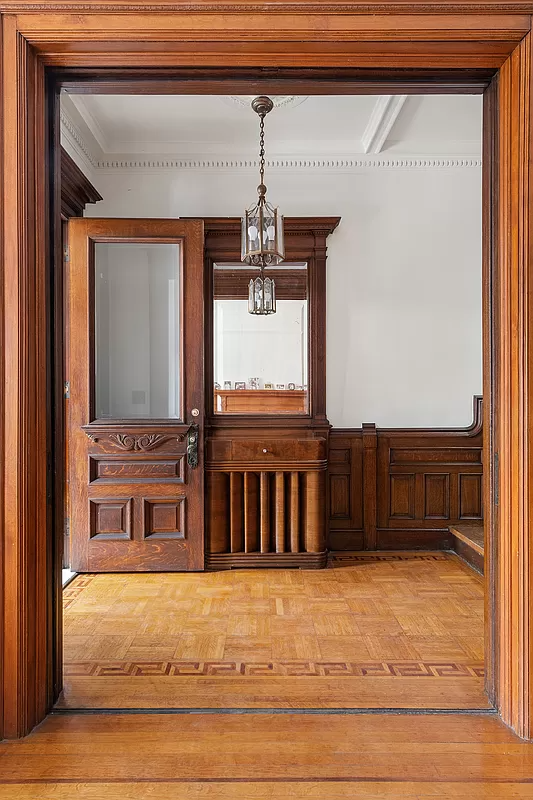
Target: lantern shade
x,y
262,235
262,296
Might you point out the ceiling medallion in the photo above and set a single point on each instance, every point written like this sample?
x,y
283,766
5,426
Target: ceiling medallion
x,y
279,101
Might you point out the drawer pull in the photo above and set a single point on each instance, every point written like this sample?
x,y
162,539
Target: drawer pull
x,y
265,450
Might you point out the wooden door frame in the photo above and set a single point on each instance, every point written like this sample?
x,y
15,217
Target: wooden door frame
x,y
325,47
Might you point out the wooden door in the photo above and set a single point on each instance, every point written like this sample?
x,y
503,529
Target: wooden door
x,y
136,395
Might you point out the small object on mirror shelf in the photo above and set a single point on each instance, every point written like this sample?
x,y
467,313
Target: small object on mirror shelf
x,y
227,385
269,385
291,386
240,385
254,383
299,387
217,385
280,385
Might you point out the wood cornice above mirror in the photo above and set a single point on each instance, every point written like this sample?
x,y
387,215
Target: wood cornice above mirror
x,y
303,237
76,189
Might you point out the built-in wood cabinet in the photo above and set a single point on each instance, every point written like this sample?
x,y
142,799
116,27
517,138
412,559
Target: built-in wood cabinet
x,y
267,459
266,502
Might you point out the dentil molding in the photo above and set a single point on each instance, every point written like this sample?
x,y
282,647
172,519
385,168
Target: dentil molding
x,y
402,162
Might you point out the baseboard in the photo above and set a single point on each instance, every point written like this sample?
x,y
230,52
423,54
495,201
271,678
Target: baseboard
x,y
346,539
393,539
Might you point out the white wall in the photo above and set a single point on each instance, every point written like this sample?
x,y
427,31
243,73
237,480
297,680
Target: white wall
x,y
404,344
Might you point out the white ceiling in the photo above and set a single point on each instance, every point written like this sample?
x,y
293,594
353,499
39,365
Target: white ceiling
x,y
336,126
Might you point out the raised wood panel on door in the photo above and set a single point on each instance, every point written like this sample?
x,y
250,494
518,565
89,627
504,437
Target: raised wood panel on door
x,y
136,503
421,482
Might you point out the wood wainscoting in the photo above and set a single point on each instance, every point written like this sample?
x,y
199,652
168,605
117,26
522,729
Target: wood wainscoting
x,y
403,488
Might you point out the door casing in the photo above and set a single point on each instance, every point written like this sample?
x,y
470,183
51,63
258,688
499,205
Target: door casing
x,y
95,46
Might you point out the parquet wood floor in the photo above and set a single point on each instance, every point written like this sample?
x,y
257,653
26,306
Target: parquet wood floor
x,y
363,633
236,757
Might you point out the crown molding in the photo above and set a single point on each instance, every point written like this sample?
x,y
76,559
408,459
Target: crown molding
x,y
74,141
77,145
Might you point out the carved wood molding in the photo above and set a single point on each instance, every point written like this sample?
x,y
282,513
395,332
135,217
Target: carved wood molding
x,y
130,441
76,189
279,6
142,442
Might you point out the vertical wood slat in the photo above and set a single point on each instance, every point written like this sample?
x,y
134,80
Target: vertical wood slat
x,y
370,479
294,496
236,512
218,494
250,512
279,512
264,492
314,507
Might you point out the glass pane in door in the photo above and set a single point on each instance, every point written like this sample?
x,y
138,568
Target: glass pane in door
x,y
137,330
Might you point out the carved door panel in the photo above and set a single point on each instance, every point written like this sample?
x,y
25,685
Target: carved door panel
x,y
136,395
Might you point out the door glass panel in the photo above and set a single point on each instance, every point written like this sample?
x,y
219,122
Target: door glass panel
x,y
137,330
260,362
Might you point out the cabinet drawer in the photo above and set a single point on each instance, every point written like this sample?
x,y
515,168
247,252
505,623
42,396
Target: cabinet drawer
x,y
272,450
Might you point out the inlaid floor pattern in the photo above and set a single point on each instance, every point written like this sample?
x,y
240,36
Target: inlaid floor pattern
x,y
388,630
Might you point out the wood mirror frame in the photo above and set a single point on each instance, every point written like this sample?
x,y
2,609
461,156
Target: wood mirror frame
x,y
305,240
386,46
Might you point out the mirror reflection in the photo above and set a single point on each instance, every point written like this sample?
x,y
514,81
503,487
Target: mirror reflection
x,y
260,362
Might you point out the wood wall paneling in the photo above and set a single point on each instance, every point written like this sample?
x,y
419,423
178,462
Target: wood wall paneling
x,y
402,488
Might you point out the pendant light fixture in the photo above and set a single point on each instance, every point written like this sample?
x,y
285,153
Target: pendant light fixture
x,y
262,230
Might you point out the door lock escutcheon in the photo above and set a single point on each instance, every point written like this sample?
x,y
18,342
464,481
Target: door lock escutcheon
x,y
192,446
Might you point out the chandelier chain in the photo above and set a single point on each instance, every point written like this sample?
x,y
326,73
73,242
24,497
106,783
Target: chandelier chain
x,y
262,148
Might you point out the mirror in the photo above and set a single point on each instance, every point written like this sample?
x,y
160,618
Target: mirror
x,y
260,362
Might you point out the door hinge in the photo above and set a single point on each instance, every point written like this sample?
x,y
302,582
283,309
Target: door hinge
x,y
66,254
66,390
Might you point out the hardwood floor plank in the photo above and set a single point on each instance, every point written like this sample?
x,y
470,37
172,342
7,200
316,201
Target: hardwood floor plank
x,y
162,756
266,692
267,791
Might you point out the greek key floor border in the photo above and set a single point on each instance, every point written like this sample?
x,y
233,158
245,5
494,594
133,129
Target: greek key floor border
x,y
303,669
